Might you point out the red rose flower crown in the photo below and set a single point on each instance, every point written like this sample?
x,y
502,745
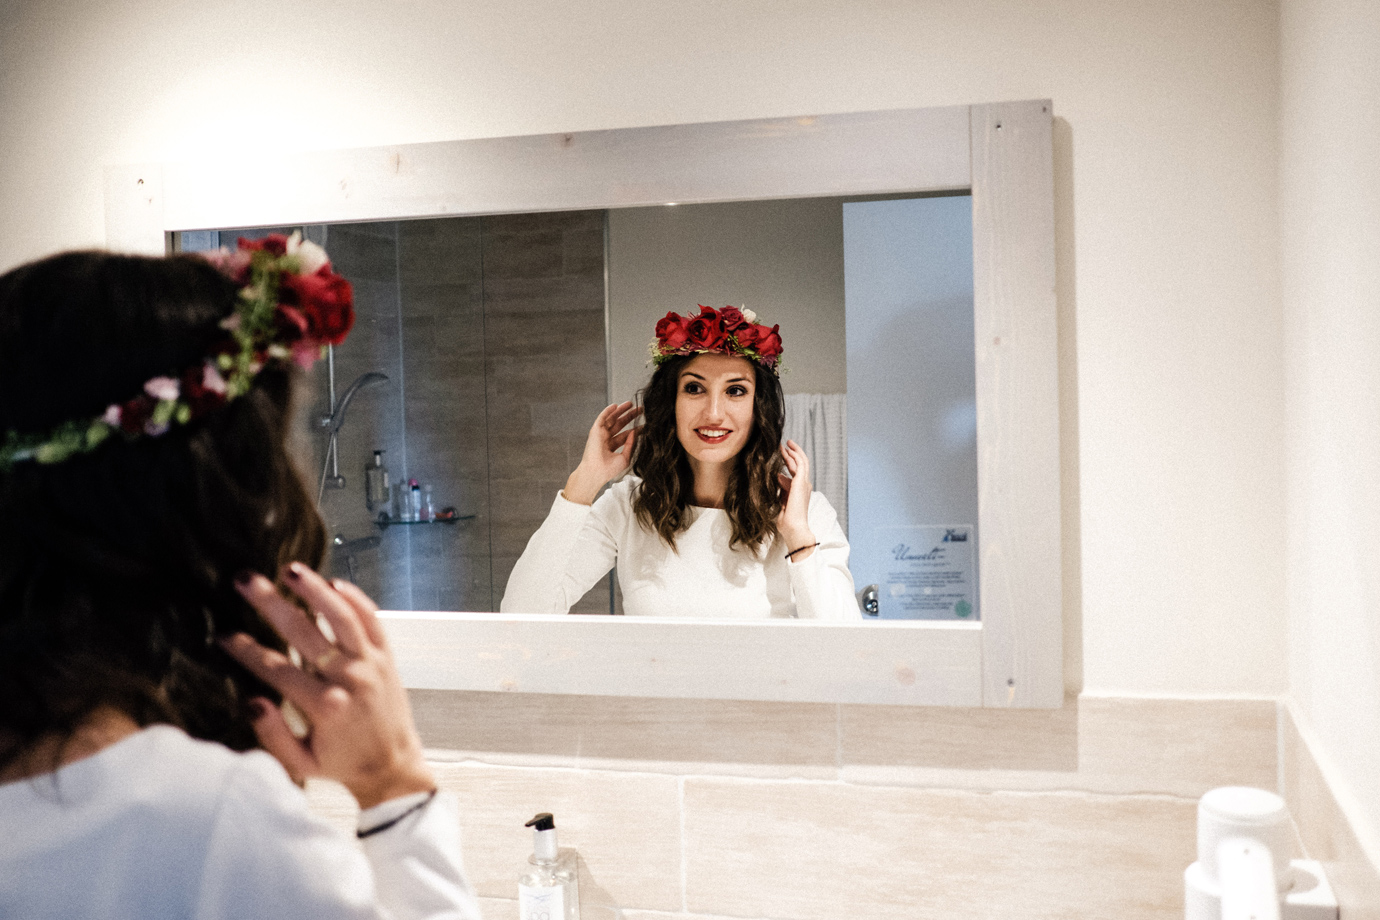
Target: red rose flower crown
x,y
730,331
290,306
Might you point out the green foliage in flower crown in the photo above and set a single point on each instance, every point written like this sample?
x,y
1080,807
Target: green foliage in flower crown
x,y
319,310
54,447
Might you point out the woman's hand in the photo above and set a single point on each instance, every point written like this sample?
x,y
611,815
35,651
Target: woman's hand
x,y
362,733
601,461
793,522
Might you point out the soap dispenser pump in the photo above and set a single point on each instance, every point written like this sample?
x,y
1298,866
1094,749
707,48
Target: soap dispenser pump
x,y
549,888
377,488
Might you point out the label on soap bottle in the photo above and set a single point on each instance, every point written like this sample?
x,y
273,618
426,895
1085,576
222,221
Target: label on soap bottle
x,y
541,903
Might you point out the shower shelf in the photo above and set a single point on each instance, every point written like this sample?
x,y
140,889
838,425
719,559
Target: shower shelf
x,y
383,523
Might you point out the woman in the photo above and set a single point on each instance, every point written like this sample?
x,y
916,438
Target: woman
x,y
147,505
709,525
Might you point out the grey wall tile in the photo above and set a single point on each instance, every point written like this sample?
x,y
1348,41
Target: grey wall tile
x,y
359,254
440,251
531,254
492,334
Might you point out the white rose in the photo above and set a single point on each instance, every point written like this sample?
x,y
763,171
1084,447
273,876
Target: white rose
x,y
165,389
311,256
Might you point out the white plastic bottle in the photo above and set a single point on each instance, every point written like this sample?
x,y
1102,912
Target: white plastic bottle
x,y
549,888
414,508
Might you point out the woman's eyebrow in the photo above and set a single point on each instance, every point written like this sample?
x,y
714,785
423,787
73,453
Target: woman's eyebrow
x,y
691,374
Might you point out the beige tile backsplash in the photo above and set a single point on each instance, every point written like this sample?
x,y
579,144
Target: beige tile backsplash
x,y
709,809
818,851
1119,746
682,737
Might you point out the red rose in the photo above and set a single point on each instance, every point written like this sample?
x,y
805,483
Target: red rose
x,y
733,319
275,244
670,331
289,325
705,332
136,413
768,342
749,335
325,299
197,395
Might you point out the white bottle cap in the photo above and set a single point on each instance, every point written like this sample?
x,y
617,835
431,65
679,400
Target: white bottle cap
x,y
544,839
1241,812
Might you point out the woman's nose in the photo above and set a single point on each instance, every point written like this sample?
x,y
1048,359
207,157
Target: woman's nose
x,y
716,407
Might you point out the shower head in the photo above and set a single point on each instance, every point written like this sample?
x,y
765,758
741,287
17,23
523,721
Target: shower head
x,y
337,418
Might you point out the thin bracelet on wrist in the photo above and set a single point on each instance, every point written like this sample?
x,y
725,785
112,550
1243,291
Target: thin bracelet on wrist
x,y
801,550
391,822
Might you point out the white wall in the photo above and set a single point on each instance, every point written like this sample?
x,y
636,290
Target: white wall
x,y
1166,213
1330,235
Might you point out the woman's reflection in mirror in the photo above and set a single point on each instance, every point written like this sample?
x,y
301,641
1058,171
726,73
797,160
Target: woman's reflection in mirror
x,y
718,518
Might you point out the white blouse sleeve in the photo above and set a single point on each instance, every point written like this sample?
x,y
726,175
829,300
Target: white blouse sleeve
x,y
269,857
821,583
574,547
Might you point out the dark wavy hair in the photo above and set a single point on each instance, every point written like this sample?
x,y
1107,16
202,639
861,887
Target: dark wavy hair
x,y
753,498
117,566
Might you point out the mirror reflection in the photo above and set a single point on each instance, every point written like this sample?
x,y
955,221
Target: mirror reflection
x,y
486,346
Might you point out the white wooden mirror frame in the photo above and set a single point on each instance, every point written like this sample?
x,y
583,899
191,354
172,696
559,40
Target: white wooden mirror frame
x,y
1002,153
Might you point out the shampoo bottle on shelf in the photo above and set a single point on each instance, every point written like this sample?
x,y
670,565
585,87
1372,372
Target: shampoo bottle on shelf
x,y
377,488
414,509
549,888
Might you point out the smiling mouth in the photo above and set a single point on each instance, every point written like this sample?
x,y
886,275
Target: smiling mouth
x,y
712,435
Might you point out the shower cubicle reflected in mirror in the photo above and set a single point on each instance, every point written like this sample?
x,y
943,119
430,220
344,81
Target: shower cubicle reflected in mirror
x,y
476,361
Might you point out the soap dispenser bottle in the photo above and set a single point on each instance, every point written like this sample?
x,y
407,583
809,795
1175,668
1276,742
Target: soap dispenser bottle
x,y
549,888
376,484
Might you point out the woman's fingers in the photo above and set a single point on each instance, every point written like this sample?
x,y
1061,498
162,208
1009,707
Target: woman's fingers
x,y
367,610
277,670
797,461
285,617
361,729
324,599
789,458
274,734
599,432
606,435
615,424
615,416
608,412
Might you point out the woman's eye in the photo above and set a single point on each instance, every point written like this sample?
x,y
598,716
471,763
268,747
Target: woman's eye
x,y
691,388
737,391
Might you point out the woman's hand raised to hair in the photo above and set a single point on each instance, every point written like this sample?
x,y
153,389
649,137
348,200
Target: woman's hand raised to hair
x,y
602,460
793,523
362,734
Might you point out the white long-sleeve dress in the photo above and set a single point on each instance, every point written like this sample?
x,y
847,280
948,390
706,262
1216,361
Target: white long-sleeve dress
x,y
159,825
578,544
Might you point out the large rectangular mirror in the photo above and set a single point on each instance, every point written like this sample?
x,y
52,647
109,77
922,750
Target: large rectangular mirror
x,y
485,347
999,154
